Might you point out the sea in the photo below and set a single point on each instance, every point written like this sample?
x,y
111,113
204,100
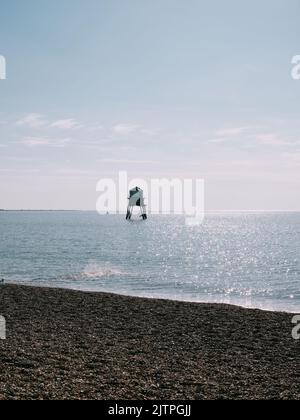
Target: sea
x,y
245,259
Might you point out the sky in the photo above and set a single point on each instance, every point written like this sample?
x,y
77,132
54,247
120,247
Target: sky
x,y
161,88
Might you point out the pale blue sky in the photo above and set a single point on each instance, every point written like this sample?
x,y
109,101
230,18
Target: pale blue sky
x,y
159,88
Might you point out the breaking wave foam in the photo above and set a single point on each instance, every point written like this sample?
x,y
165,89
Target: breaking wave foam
x,y
96,271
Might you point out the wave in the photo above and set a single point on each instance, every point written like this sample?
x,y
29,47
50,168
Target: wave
x,y
96,271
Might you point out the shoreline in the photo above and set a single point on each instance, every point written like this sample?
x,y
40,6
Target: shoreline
x,y
66,344
155,298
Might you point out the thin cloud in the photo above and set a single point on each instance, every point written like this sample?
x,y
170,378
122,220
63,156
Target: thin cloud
x,y
271,139
125,129
218,140
67,124
44,141
149,132
128,161
95,128
293,158
38,121
232,131
35,121
20,171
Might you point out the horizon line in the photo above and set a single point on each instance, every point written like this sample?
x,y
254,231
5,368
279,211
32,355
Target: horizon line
x,y
154,214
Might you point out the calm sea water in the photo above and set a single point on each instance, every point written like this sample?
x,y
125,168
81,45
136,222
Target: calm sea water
x,y
247,259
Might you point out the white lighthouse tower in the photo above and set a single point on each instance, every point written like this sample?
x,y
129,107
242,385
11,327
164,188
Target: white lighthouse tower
x,y
136,199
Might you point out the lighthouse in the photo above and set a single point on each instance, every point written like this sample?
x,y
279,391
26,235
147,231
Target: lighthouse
x,y
136,199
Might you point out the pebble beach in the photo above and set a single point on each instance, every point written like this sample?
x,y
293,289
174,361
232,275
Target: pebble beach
x,y
64,344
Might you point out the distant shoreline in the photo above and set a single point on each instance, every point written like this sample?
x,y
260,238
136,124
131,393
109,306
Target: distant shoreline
x,y
30,210
78,345
209,212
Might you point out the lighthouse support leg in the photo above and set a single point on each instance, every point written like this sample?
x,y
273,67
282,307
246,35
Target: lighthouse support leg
x,y
129,213
144,213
